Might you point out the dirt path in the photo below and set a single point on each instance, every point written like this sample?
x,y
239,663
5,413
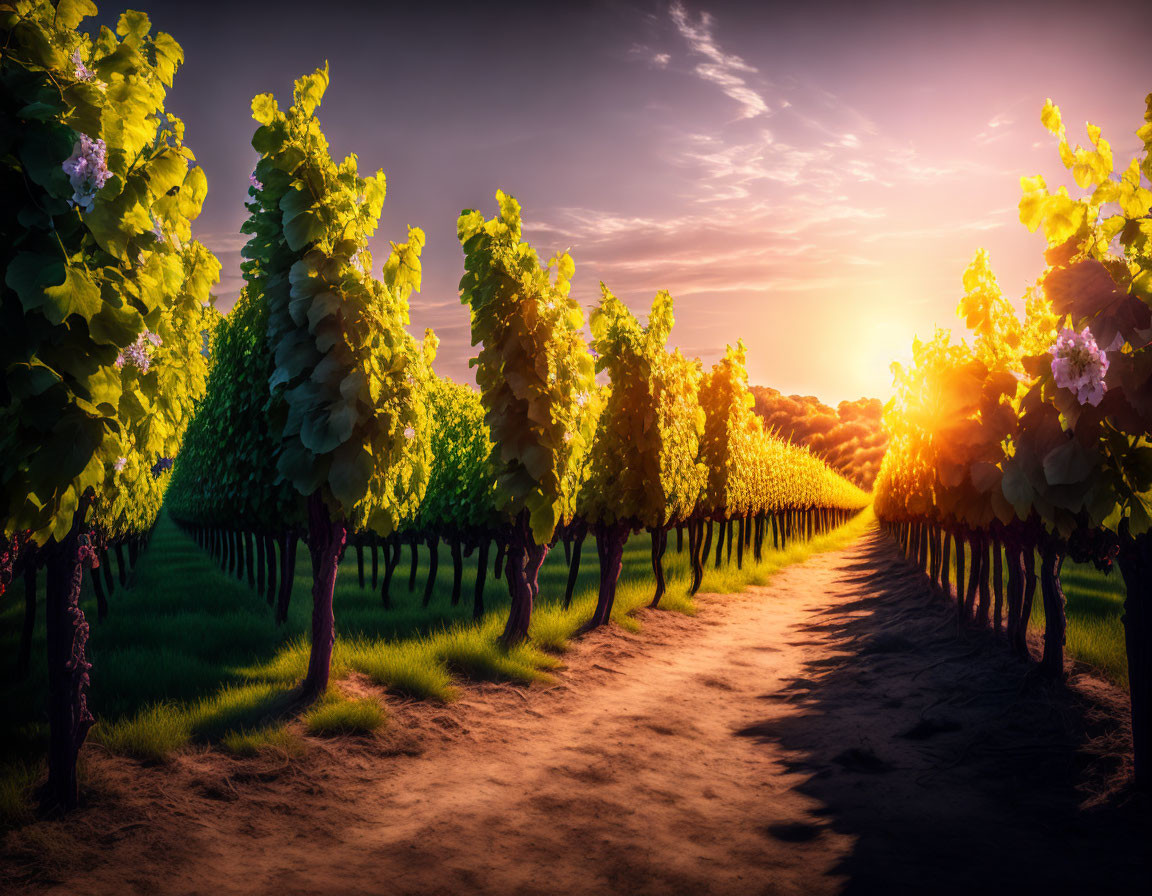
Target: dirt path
x,y
827,733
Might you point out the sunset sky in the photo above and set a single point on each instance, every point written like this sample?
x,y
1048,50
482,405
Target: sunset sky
x,y
811,177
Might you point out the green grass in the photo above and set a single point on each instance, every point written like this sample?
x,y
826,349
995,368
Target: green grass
x,y
276,738
16,782
1095,605
335,716
189,654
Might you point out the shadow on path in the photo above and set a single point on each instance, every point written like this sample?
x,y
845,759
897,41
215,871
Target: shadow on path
x,y
954,766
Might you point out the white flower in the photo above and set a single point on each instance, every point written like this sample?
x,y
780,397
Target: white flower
x,y
121,463
409,433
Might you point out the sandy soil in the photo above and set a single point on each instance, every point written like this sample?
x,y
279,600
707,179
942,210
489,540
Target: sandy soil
x,y
828,733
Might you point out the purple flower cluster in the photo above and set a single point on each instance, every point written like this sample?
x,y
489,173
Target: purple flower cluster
x,y
87,169
161,466
1079,364
255,184
139,353
83,73
120,464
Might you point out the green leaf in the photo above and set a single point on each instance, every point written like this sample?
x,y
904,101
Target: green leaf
x,y
29,379
349,475
114,223
133,25
542,520
117,326
43,150
1140,520
39,111
70,13
264,108
104,387
309,90
322,432
64,453
167,169
1067,464
303,230
78,294
1017,489
29,273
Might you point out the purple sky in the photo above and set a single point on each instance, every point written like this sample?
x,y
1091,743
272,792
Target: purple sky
x,y
813,178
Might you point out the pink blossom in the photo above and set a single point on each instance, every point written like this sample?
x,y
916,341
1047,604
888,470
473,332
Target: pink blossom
x,y
139,353
87,169
255,184
120,464
1078,364
83,73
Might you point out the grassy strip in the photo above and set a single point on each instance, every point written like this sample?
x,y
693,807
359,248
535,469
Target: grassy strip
x,y
423,665
335,716
1094,610
189,653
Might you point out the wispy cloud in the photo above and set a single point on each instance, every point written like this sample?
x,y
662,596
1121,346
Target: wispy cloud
x,y
725,70
997,128
652,57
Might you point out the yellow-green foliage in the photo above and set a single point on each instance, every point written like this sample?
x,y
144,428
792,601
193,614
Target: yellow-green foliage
x,y
102,267
643,466
353,423
749,471
534,370
461,490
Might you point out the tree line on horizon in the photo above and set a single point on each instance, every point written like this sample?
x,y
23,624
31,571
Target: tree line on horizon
x,y
850,438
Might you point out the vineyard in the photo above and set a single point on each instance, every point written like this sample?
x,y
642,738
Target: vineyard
x,y
308,413
162,462
1030,445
